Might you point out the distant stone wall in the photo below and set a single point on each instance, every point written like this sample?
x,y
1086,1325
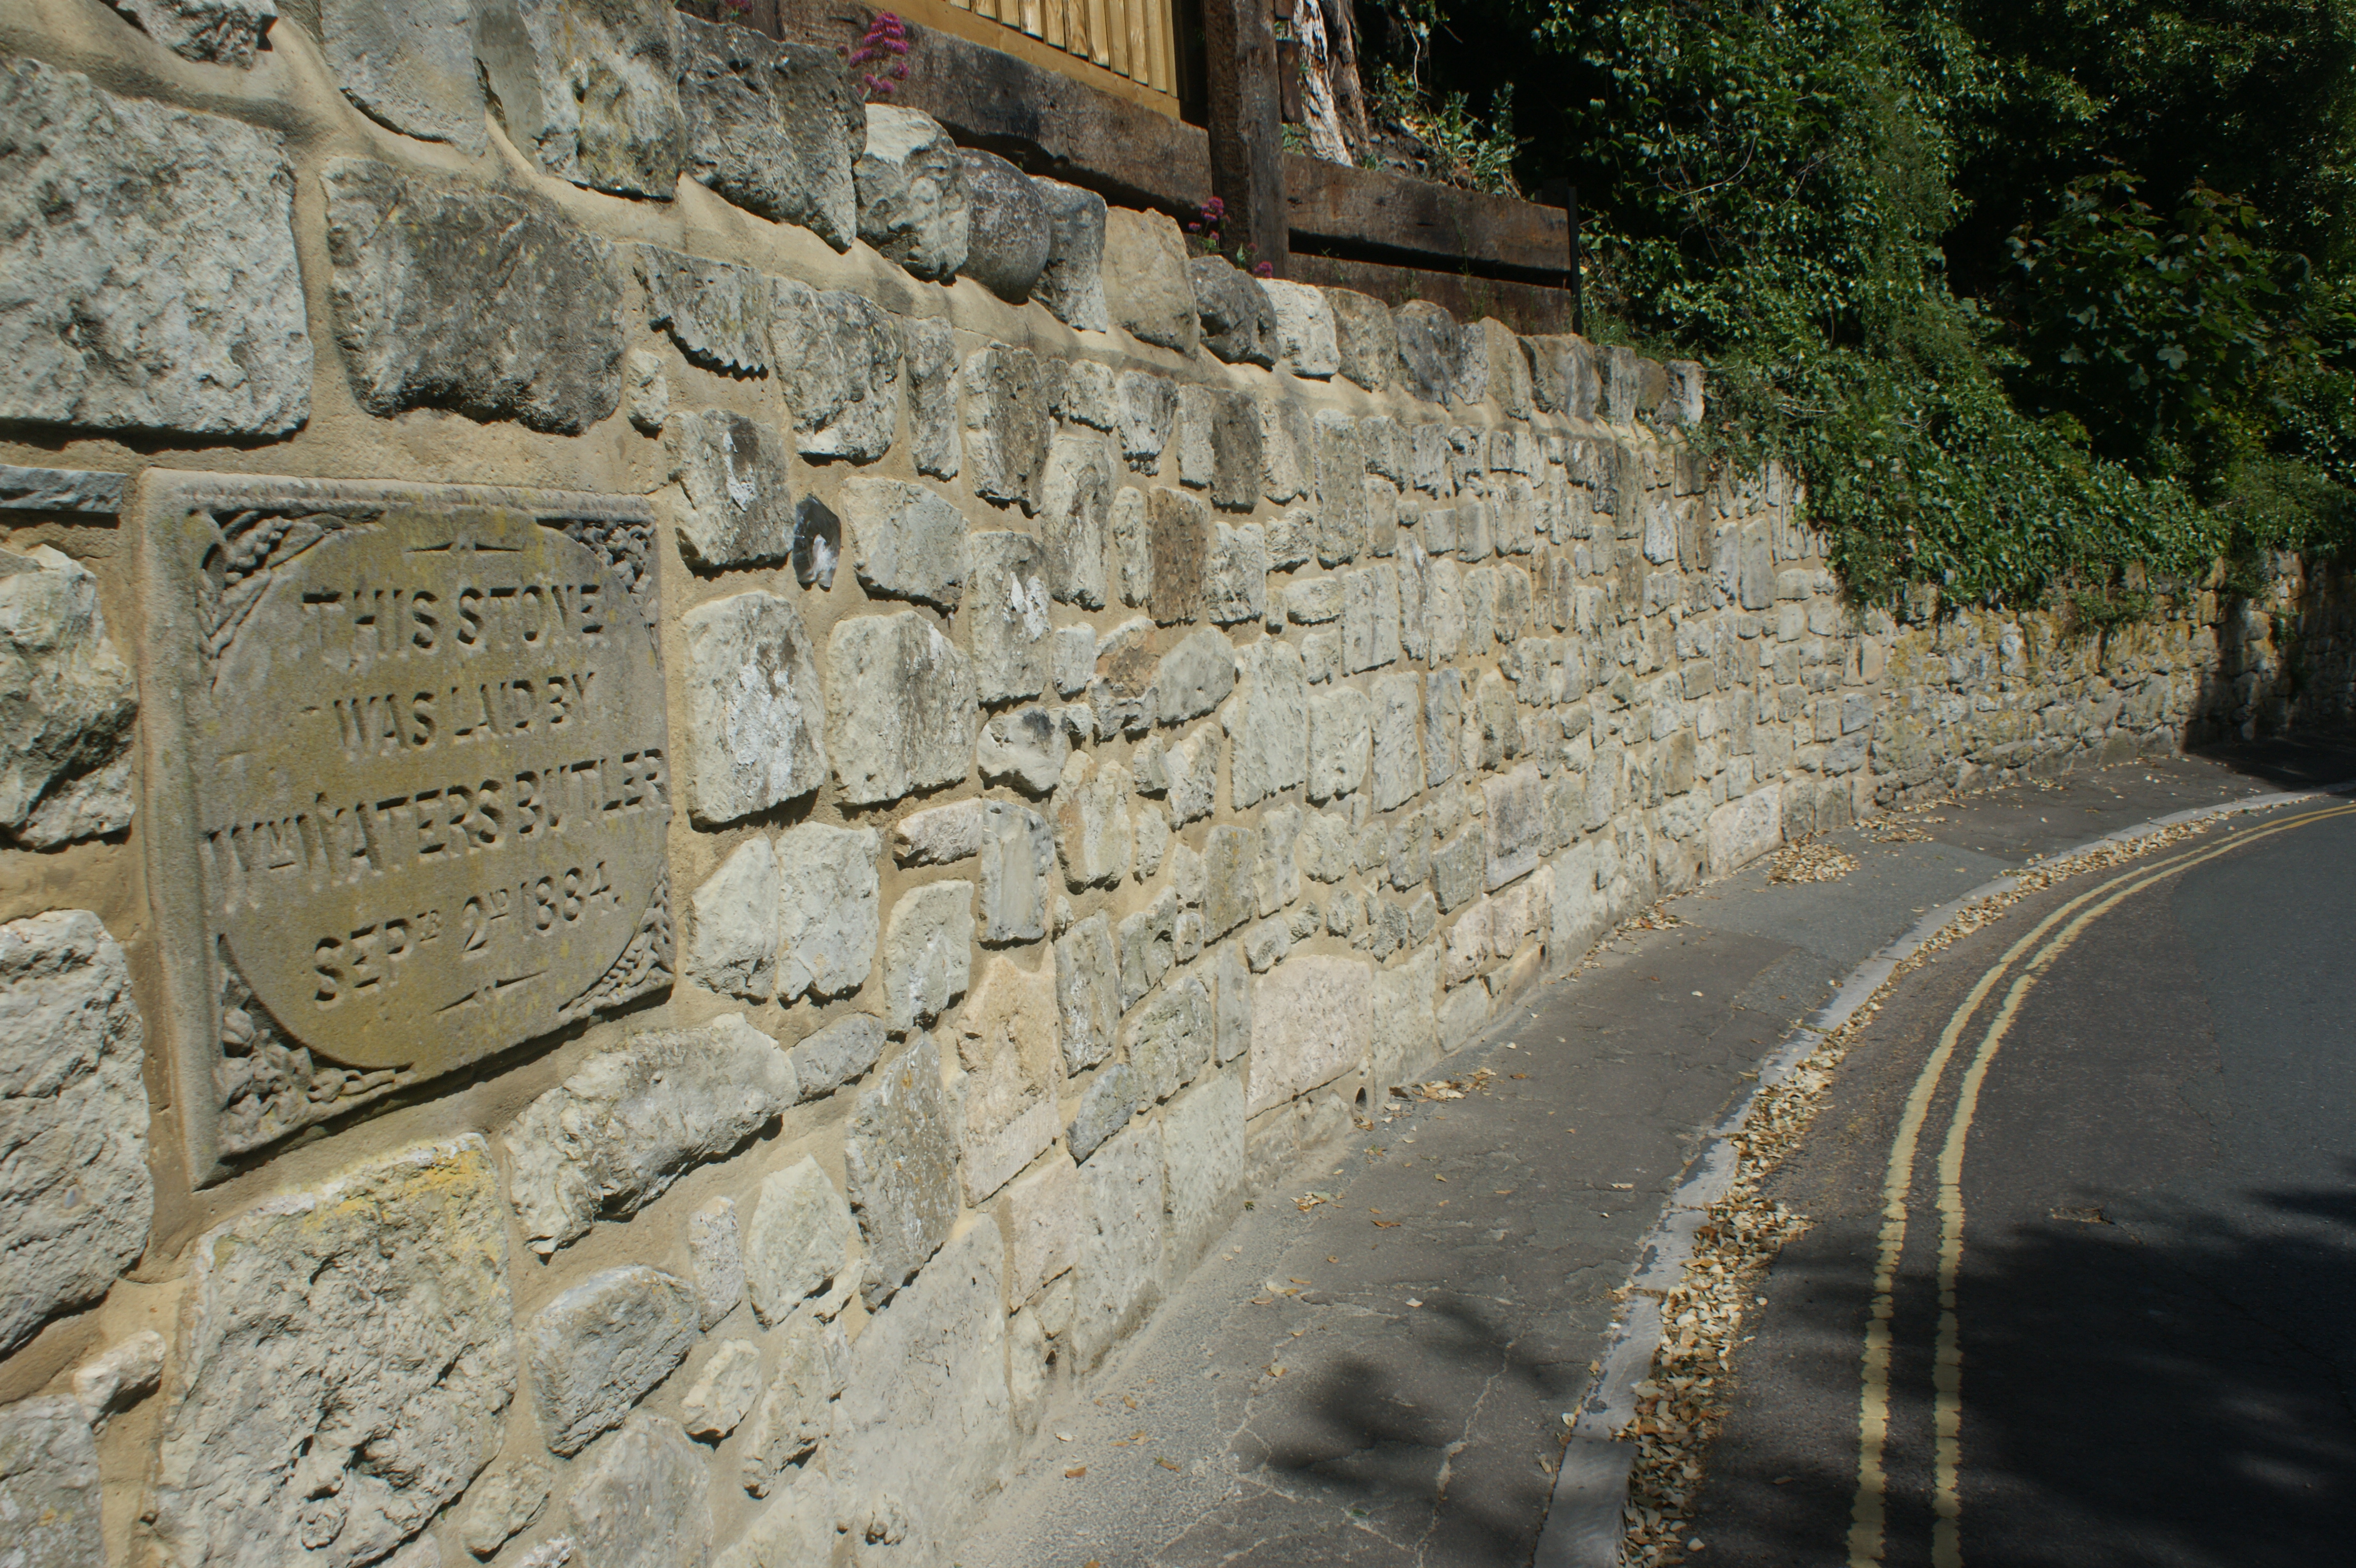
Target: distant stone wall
x,y
692,787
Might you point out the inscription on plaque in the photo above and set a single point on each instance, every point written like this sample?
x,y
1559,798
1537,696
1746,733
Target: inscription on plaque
x,y
430,788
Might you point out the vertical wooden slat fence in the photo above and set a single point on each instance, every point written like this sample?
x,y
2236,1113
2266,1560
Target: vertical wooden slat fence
x,y
1131,38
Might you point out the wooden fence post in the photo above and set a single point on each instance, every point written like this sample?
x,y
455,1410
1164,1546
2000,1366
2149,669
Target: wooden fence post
x,y
1246,125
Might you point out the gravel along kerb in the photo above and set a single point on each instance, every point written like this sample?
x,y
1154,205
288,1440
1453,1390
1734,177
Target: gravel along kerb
x,y
1630,1447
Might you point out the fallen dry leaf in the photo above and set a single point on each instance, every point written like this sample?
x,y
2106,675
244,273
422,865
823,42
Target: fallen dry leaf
x,y
1809,863
1075,1472
1386,1224
1166,1464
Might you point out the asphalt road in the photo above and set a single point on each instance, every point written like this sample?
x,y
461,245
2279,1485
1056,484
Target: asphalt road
x,y
2120,1312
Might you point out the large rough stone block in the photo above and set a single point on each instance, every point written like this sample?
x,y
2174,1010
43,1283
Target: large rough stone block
x,y
904,713
1007,1045
1072,284
1228,901
450,297
1119,1273
321,1330
900,1154
1008,232
1193,767
601,1345
754,707
1203,1168
214,32
1311,1020
1147,940
1406,1032
1398,766
68,704
797,1529
1170,1041
1076,516
589,89
838,359
1006,616
1287,448
927,952
926,1415
717,312
1238,324
1110,1100
715,1257
1341,740
1147,410
731,925
1092,827
150,259
733,473
812,1359
800,1240
75,1198
1515,809
773,127
48,1485
912,193
1341,488
1562,375
1018,851
1147,288
1431,351
906,541
645,1502
622,1129
1026,747
933,400
826,910
1365,338
1194,678
1742,831
1006,425
723,1391
409,64
1179,536
1041,1216
1370,618
838,1054
1305,334
1267,722
1088,999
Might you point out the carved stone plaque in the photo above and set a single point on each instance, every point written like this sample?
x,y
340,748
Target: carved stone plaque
x,y
424,782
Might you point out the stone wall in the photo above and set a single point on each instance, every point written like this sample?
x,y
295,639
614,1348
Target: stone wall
x,y
692,786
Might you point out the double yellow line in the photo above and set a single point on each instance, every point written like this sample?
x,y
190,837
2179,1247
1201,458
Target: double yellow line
x,y
1867,1512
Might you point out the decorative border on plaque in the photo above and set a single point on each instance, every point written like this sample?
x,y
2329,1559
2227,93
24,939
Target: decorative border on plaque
x,y
408,784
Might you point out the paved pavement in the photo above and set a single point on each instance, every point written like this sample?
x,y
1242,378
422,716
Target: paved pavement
x,y
1380,1379
2147,1222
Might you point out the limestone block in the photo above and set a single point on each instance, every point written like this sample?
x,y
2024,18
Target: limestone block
x,y
1008,1046
503,1504
1468,946
1458,869
1193,771
813,1359
1327,840
599,1346
1235,575
215,32
1009,230
1147,288
1194,678
1147,410
795,1530
67,706
1119,1273
622,1128
912,193
733,472
1092,829
1742,831
1018,850
1228,899
1305,330
1462,1013
1496,727
589,89
74,1119
1562,375
1203,1168
1087,997
838,1054
927,951
826,910
119,1377
731,925
1276,872
1370,618
300,1331
1365,338
1026,747
1287,448
48,1485
933,399
817,543
715,1257
773,126
452,296
1406,1030
838,357
1515,811
1398,756
408,66
649,402
753,704
1170,1041
1266,722
1147,941
1007,616
1341,741
1496,369
1076,515
645,1500
723,1391
1443,726
906,541
1178,542
1314,601
1238,324
1341,488
1041,1217
904,713
1232,1007
1430,347
926,1416
1381,516
1072,284
800,1240
901,1157
131,312
1006,425
716,311
1219,445
1311,1021
1111,1098
1073,657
